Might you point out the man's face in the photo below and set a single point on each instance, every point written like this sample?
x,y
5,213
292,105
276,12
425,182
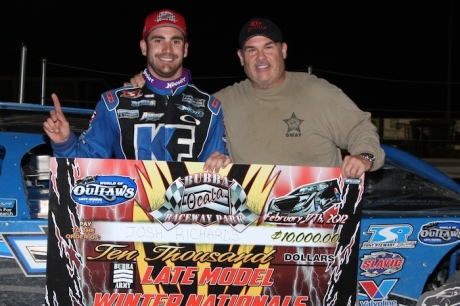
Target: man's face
x,y
165,49
263,61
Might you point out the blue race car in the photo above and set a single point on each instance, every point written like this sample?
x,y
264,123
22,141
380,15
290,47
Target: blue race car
x,y
410,232
24,193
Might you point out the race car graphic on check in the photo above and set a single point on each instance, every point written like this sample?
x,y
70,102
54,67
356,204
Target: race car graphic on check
x,y
307,199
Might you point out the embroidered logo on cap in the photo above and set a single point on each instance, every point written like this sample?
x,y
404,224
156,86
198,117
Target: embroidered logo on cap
x,y
166,15
256,25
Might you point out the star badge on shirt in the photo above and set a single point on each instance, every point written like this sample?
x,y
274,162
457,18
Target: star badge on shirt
x,y
293,123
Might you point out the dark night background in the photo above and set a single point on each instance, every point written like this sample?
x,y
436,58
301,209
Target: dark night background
x,y
393,58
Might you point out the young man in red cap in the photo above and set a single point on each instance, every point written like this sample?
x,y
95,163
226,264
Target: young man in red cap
x,y
168,119
291,118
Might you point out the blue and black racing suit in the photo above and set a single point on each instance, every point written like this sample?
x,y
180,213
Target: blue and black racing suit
x,y
184,124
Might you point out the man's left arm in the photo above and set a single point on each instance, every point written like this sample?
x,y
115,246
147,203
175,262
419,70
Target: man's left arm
x,y
353,130
364,147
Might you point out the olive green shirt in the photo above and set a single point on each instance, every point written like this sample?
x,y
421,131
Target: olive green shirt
x,y
304,121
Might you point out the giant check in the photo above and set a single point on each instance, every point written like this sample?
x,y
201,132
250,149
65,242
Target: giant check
x,y
128,232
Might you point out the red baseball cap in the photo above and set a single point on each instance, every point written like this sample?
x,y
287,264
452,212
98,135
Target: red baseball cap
x,y
164,18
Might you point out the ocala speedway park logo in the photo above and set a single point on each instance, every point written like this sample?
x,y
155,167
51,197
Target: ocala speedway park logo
x,y
205,199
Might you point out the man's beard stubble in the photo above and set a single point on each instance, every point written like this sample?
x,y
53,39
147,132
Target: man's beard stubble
x,y
160,71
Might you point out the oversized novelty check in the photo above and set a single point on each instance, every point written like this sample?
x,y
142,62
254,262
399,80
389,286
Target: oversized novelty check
x,y
128,232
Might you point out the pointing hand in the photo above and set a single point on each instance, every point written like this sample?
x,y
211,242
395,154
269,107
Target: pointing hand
x,y
56,126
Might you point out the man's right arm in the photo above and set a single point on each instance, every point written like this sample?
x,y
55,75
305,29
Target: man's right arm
x,y
96,142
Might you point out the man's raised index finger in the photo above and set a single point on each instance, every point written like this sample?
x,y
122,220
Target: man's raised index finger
x,y
57,104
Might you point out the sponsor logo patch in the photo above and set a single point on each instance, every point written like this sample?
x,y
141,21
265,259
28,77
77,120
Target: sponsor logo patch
x,y
195,102
8,207
143,103
439,233
147,116
132,94
128,113
379,292
395,236
381,263
175,84
103,190
191,111
110,97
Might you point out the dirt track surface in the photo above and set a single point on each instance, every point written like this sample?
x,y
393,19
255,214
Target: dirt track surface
x,y
18,290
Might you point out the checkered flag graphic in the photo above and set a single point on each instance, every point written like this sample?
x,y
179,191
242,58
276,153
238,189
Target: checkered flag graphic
x,y
173,197
238,206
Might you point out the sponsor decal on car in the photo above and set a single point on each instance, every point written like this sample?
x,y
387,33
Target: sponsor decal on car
x,y
381,263
394,236
377,292
440,233
8,207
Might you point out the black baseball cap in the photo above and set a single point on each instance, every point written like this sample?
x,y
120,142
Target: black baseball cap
x,y
260,26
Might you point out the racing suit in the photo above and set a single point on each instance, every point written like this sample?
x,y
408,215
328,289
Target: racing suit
x,y
167,121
